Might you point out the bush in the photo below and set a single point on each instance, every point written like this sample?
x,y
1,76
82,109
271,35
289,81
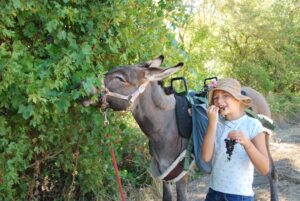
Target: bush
x,y
52,147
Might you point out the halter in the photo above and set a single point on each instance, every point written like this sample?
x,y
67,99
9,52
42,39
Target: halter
x,y
130,98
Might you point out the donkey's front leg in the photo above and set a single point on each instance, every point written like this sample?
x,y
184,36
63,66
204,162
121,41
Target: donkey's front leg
x,y
167,192
181,188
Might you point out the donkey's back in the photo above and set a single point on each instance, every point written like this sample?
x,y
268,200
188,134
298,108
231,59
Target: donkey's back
x,y
259,104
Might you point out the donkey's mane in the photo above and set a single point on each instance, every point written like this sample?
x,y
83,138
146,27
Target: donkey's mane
x,y
168,90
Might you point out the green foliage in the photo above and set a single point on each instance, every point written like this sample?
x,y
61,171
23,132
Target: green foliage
x,y
51,146
285,106
260,44
256,42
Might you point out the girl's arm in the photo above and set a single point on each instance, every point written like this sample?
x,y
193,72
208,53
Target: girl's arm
x,y
256,150
258,154
207,148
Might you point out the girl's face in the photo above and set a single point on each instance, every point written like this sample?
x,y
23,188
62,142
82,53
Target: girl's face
x,y
227,104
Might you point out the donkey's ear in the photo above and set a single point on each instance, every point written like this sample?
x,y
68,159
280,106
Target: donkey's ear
x,y
156,74
156,62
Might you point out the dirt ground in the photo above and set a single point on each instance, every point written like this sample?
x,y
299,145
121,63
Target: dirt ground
x,y
285,149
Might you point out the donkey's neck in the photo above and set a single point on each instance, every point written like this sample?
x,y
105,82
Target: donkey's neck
x,y
160,99
154,111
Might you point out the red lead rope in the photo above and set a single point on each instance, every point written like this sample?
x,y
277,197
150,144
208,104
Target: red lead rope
x,y
117,174
106,123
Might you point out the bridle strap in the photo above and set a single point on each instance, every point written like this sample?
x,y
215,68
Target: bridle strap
x,y
131,98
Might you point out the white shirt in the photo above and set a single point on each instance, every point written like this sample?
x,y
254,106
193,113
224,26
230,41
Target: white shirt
x,y
234,176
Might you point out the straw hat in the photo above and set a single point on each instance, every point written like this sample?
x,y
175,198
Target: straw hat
x,y
231,86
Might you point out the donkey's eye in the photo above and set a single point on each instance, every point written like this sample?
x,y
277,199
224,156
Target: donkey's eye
x,y
120,78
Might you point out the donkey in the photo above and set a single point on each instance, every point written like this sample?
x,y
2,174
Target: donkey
x,y
136,88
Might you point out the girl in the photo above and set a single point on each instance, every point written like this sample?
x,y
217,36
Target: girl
x,y
232,176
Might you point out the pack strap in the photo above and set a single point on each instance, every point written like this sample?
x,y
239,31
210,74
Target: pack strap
x,y
266,122
188,153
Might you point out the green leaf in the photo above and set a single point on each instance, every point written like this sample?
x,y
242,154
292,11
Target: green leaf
x,y
17,4
88,85
63,105
52,25
86,49
62,35
26,110
30,30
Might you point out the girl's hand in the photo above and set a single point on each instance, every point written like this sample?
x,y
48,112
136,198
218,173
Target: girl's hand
x,y
213,114
240,138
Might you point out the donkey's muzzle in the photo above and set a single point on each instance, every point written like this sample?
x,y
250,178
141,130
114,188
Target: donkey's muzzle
x,y
102,100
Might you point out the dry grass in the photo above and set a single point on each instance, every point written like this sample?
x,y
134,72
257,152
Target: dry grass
x,y
148,193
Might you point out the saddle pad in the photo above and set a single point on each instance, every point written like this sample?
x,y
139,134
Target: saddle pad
x,y
183,119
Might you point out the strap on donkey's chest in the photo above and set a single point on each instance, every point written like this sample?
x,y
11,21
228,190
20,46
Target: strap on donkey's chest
x,y
177,169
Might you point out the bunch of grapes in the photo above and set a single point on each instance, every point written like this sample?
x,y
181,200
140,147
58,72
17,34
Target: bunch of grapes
x,y
229,146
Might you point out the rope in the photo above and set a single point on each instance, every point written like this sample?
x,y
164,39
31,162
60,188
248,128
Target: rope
x,y
117,174
106,123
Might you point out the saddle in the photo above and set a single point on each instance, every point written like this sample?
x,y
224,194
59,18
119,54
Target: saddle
x,y
184,101
183,118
